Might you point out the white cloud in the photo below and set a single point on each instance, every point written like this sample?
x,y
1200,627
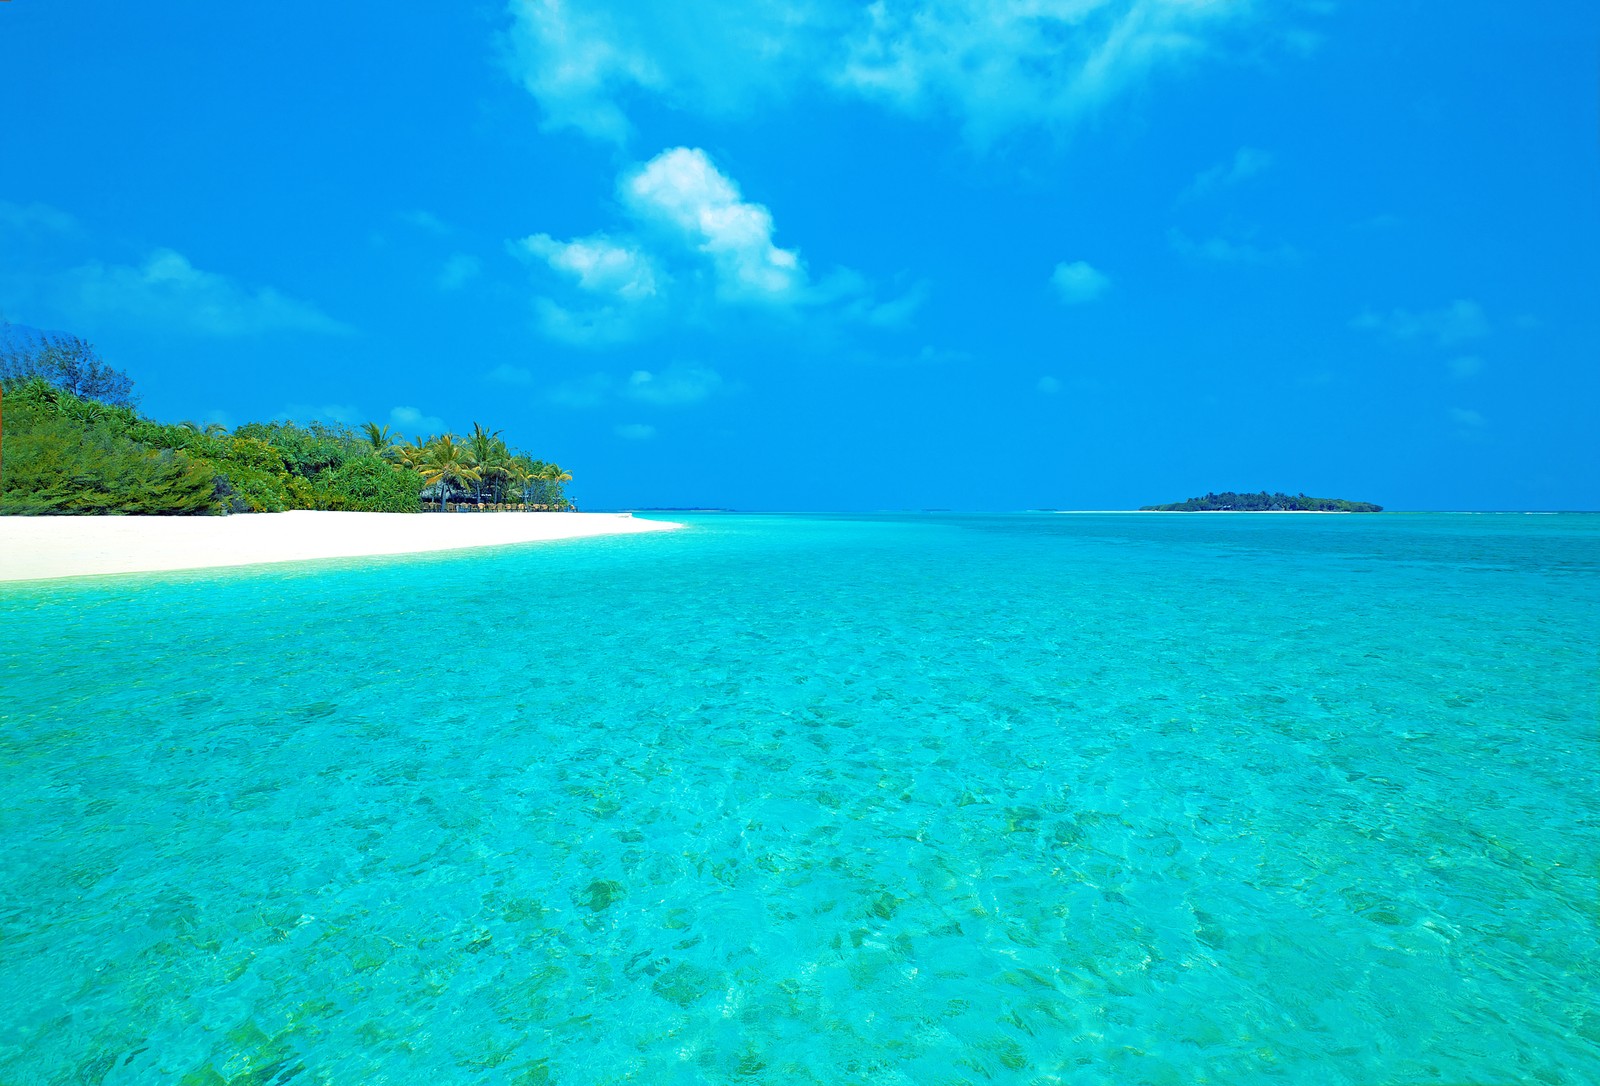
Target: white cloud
x,y
1466,366
458,271
597,264
412,420
1457,322
681,189
996,66
170,293
1078,282
636,431
1049,386
1002,65
1247,162
1465,416
692,243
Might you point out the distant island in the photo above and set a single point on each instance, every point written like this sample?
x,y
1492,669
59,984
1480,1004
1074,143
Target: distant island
x,y
1229,502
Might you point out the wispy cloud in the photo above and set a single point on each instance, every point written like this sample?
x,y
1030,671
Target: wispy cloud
x,y
1247,162
170,293
1460,321
1078,282
1466,366
1465,416
1049,385
994,66
635,431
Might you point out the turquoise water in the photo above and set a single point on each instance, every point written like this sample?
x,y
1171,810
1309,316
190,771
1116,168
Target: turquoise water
x,y
1006,799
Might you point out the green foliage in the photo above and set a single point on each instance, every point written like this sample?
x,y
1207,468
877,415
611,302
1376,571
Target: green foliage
x,y
1263,502
369,484
64,453
251,490
57,465
307,450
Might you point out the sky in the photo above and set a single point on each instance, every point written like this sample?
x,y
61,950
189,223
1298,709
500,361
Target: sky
x,y
811,254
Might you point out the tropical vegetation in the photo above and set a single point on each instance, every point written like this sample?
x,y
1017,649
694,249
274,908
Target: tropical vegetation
x,y
71,441
1263,502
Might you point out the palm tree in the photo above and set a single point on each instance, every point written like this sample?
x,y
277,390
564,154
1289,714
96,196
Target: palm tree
x,y
413,454
381,438
519,470
445,464
490,455
552,473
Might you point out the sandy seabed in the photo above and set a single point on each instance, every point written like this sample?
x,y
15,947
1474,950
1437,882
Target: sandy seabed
x,y
39,548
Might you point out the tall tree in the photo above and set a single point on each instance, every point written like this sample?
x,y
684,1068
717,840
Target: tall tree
x,y
446,464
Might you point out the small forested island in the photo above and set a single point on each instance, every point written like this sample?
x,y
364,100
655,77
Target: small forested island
x,y
72,441
1229,502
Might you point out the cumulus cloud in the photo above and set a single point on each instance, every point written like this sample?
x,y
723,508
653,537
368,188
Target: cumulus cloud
x,y
635,431
1078,282
996,66
1247,162
597,264
168,292
682,190
1458,322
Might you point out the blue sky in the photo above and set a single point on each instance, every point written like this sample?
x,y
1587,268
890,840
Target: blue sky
x,y
826,255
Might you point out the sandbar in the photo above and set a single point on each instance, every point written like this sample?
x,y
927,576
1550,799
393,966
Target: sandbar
x,y
41,548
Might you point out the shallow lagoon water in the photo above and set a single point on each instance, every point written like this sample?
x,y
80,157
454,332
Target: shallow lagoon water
x,y
902,799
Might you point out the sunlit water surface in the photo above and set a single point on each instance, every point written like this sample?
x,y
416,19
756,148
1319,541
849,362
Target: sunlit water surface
x,y
931,800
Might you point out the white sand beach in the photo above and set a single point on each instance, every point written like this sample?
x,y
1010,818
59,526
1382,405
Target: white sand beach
x,y
38,548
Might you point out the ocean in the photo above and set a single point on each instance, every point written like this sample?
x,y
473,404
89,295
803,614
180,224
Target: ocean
x,y
930,799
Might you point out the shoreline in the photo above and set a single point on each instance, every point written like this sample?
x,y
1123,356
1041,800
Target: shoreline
x,y
53,548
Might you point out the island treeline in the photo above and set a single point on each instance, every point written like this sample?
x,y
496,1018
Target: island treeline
x,y
1230,502
73,443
